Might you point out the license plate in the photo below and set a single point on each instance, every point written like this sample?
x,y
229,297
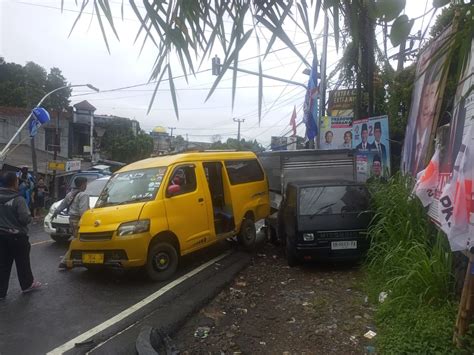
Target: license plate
x,y
96,258
346,244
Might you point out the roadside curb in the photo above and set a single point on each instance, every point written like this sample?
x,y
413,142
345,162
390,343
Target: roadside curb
x,y
168,316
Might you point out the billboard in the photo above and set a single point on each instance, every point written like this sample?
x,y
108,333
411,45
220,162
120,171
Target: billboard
x,y
371,140
341,102
336,132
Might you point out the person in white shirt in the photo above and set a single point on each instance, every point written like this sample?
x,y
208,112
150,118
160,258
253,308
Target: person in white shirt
x,y
347,140
328,140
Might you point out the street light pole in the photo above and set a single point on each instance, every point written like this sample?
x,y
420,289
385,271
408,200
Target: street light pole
x,y
5,149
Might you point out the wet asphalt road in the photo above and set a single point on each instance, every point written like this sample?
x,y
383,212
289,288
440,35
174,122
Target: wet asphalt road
x,y
72,302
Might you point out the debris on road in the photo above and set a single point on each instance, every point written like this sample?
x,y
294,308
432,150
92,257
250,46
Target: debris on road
x,y
202,332
370,334
312,311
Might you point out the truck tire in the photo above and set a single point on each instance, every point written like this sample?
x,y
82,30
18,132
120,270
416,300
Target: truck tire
x,y
291,258
60,238
162,261
248,234
273,236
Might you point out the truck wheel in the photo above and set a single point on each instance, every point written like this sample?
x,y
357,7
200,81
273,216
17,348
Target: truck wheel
x,y
291,258
248,234
60,238
273,236
162,261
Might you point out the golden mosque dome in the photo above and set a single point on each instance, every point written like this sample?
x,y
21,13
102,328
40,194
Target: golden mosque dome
x,y
159,129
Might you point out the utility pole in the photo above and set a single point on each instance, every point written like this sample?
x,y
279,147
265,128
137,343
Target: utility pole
x,y
57,144
171,136
322,106
33,157
401,56
239,121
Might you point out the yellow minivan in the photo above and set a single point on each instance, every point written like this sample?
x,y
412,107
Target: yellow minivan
x,y
155,210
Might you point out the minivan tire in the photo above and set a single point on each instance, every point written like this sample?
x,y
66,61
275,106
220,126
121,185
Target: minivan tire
x,y
60,238
248,234
162,261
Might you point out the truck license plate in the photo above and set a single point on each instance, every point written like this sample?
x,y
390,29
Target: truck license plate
x,y
96,258
346,244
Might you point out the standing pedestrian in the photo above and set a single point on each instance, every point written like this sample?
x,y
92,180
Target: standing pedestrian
x,y
40,191
76,203
14,244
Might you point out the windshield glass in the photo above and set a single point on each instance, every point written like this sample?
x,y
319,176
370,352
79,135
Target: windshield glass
x,y
323,200
94,188
131,186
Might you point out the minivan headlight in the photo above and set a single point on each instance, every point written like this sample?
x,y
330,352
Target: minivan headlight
x,y
134,227
308,237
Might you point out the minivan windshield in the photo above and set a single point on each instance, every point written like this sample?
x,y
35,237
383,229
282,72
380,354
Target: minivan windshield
x,y
95,187
131,186
325,200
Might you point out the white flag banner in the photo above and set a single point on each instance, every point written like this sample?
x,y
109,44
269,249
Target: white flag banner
x,y
427,180
457,198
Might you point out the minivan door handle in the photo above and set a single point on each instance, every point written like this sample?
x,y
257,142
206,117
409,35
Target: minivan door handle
x,y
200,199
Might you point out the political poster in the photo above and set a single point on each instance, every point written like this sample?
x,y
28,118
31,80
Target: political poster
x,y
371,140
423,116
336,133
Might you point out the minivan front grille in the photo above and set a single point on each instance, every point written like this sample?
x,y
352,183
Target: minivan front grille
x,y
95,237
341,234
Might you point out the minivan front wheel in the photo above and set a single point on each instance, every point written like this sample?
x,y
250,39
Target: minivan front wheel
x,y
248,234
162,261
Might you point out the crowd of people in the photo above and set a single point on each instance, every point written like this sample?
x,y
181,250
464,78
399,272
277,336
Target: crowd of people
x,y
35,192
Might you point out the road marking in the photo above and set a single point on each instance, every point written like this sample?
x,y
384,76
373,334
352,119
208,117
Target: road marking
x,y
42,242
129,311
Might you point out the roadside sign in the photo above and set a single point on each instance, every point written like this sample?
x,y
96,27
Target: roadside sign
x,y
73,165
57,165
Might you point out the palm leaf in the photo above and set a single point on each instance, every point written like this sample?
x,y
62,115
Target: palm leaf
x,y
173,92
156,89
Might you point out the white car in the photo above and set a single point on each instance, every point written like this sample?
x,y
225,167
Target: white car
x,y
58,228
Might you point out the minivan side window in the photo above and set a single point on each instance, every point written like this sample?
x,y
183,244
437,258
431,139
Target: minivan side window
x,y
185,177
243,171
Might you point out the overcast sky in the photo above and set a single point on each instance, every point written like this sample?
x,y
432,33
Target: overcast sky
x,y
36,30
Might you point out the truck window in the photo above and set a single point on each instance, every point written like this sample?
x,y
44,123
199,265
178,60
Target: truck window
x,y
323,200
244,171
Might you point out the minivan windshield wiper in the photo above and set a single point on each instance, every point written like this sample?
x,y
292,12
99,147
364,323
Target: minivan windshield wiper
x,y
136,199
321,209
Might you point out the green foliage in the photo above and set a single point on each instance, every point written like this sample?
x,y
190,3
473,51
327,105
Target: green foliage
x,y
233,143
122,145
412,262
24,86
388,10
415,330
60,99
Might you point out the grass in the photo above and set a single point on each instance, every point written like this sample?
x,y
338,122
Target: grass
x,y
411,261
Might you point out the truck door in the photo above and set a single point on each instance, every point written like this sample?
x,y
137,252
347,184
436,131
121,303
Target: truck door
x,y
186,208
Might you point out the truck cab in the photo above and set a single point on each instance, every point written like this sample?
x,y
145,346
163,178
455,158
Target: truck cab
x,y
325,220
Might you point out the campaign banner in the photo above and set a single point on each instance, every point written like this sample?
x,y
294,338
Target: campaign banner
x,y
423,116
371,140
336,132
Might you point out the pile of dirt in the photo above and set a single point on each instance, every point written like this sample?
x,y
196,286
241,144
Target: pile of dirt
x,y
271,308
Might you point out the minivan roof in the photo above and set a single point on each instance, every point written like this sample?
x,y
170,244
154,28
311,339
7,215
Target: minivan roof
x,y
167,160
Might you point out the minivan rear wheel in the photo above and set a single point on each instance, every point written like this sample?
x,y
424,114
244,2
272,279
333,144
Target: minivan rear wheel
x,y
162,261
248,234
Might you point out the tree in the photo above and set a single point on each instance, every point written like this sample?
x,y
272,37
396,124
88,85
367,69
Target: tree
x,y
24,86
12,85
193,28
35,83
233,143
120,144
60,99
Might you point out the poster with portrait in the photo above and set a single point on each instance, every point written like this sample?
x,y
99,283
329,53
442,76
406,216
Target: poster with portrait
x,y
336,133
422,119
371,140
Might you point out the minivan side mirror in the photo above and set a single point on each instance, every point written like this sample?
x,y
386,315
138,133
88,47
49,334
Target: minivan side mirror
x,y
173,190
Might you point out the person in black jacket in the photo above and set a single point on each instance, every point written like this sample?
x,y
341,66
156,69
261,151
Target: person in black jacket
x,y
14,244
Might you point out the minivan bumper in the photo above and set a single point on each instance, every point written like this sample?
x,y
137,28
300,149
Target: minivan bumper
x,y
124,252
321,250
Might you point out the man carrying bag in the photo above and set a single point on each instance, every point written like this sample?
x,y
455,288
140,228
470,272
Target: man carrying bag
x,y
14,244
76,203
